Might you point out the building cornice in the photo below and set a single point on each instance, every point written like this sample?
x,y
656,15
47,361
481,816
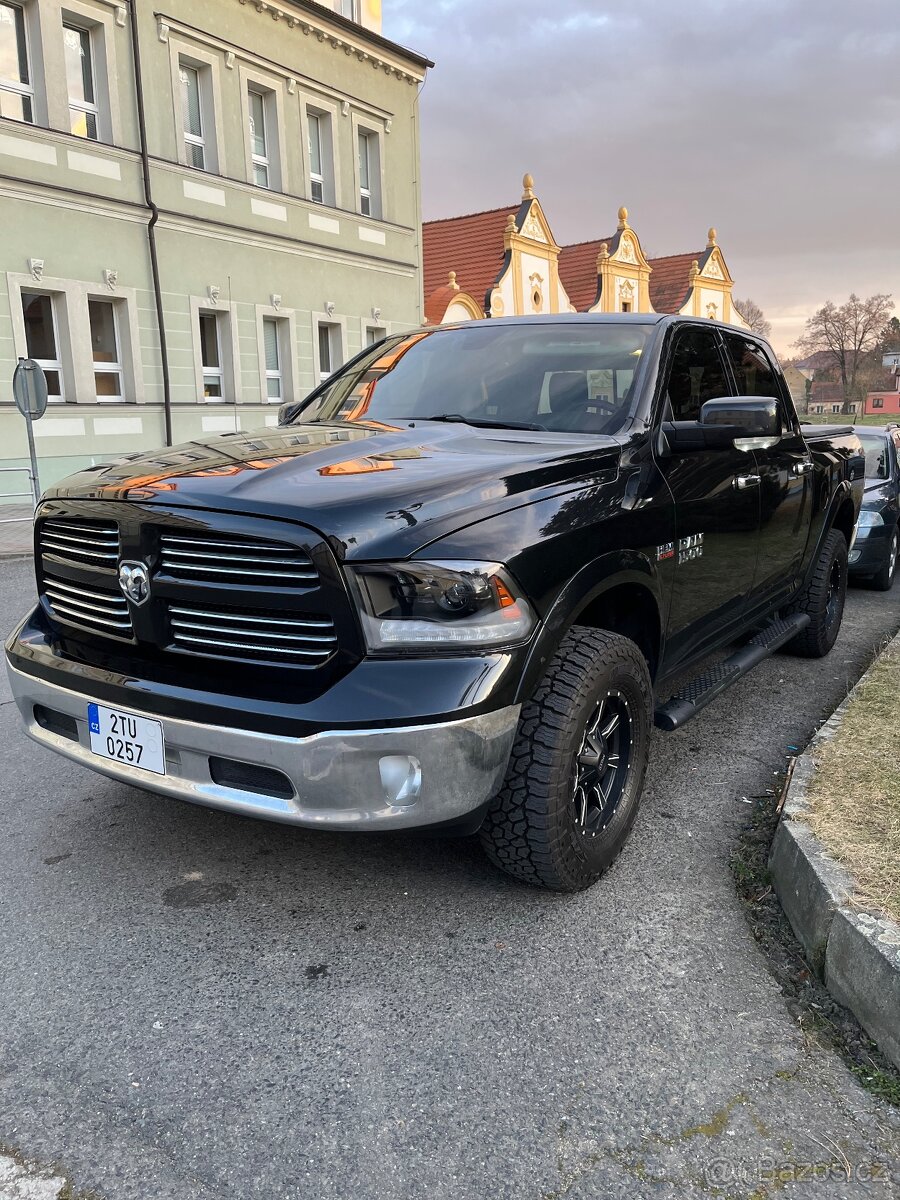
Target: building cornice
x,y
312,19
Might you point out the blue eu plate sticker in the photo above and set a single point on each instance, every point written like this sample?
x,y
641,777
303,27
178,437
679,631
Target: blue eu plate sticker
x,y
93,718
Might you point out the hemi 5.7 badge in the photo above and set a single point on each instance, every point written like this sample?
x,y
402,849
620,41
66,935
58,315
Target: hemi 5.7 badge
x,y
687,547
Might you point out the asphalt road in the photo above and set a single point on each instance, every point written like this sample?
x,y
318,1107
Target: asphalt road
x,y
196,1005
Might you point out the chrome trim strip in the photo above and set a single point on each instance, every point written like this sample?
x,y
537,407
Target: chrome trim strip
x,y
209,568
250,633
50,581
54,547
325,623
170,552
60,609
253,647
65,526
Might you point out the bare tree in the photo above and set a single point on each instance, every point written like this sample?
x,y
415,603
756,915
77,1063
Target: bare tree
x,y
754,316
848,334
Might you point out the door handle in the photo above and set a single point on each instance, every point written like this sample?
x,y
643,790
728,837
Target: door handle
x,y
742,482
802,468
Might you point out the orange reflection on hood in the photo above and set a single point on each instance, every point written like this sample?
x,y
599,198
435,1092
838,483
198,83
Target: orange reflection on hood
x,y
359,466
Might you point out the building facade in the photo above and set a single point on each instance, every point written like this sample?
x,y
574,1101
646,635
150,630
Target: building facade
x,y
506,262
272,169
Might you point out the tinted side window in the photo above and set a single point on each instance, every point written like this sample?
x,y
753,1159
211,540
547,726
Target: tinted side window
x,y
696,374
751,367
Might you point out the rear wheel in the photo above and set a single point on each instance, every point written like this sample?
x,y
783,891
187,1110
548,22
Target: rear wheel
x,y
883,580
823,599
576,772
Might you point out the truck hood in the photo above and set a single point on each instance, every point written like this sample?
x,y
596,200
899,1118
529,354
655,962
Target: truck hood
x,y
373,490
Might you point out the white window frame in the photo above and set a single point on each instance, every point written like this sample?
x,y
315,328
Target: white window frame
x,y
217,372
337,336
15,86
353,5
48,364
117,367
277,372
376,330
193,140
285,320
260,161
207,65
271,87
314,120
229,369
91,108
327,113
375,192
364,149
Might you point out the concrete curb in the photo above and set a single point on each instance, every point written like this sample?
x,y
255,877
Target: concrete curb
x,y
856,954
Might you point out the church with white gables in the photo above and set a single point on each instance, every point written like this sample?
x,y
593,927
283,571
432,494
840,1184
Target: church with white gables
x,y
506,262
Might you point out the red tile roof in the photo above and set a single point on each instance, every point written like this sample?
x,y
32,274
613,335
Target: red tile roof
x,y
669,280
438,302
578,272
472,246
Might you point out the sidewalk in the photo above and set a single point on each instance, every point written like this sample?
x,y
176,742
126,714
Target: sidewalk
x,y
15,538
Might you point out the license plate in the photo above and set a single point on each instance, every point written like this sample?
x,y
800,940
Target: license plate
x,y
126,738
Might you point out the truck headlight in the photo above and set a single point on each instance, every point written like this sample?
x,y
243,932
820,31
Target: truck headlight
x,y
439,605
867,519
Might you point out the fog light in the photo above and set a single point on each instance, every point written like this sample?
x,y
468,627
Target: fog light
x,y
854,556
401,778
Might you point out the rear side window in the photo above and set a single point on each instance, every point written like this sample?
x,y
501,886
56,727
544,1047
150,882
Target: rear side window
x,y
696,374
752,369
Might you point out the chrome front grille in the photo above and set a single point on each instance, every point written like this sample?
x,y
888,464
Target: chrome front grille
x,y
80,543
227,558
101,610
302,639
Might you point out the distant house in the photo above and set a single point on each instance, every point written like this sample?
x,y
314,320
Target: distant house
x,y
886,400
828,397
798,387
507,262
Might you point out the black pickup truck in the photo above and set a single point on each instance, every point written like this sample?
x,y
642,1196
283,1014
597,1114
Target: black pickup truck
x,y
452,589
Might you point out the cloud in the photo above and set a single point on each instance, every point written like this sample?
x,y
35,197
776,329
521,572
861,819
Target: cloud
x,y
777,121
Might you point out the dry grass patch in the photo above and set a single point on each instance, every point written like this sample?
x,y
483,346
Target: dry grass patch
x,y
855,793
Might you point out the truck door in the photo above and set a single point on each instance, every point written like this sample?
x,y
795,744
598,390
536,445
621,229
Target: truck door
x,y
785,472
716,495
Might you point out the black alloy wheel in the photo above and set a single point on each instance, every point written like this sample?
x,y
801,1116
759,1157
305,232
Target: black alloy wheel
x,y
602,764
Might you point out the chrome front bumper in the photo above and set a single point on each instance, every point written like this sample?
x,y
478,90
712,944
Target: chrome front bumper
x,y
357,779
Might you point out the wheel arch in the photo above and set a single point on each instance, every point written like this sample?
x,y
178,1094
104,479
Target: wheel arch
x,y
619,593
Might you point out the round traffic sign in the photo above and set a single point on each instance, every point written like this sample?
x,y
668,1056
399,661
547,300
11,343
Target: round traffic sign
x,y
30,389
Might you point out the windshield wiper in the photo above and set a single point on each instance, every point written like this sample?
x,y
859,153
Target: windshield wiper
x,y
483,422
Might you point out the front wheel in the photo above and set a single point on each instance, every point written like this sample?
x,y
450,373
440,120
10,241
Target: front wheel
x,y
883,580
823,598
576,772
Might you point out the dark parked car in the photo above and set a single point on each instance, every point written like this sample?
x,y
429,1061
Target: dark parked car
x,y
454,588
874,553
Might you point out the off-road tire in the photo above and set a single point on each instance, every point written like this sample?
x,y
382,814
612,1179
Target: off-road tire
x,y
827,583
883,580
532,828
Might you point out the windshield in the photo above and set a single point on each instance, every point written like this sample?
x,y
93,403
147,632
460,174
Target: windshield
x,y
575,378
876,447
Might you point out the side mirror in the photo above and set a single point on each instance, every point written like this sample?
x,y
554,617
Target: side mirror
x,y
287,411
752,416
742,422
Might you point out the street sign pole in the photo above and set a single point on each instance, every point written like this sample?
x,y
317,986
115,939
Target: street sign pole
x,y
30,393
35,479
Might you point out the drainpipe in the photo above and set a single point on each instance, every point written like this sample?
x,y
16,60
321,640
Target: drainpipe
x,y
151,226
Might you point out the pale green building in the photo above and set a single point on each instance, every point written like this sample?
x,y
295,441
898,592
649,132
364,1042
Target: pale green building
x,y
274,171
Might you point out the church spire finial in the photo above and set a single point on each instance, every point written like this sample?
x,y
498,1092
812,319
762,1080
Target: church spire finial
x,y
711,237
623,217
527,187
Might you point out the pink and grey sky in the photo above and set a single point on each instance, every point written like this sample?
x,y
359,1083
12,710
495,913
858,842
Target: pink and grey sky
x,y
777,121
